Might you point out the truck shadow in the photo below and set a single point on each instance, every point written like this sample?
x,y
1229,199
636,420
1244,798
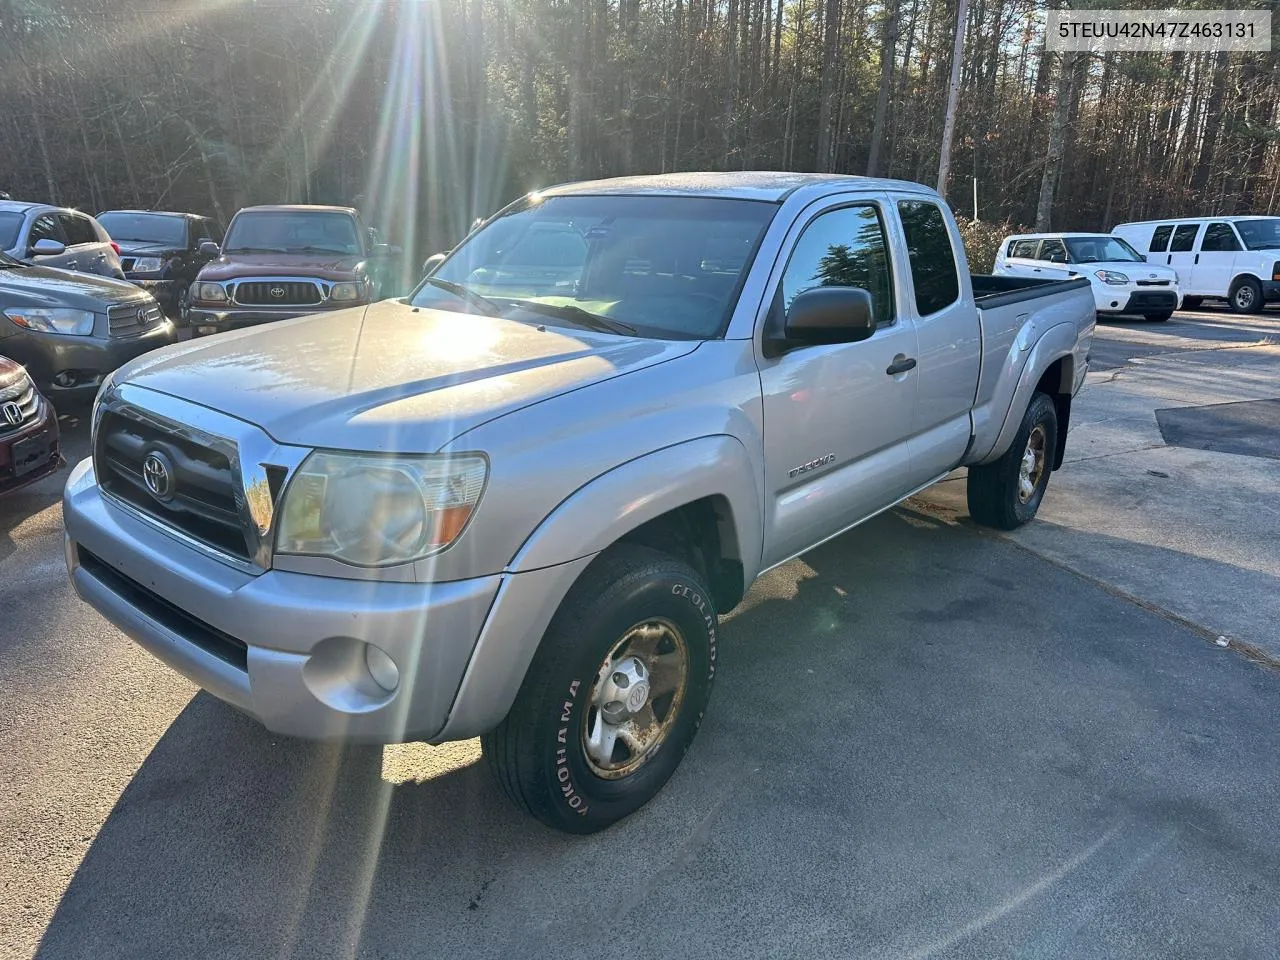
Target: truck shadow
x,y
904,676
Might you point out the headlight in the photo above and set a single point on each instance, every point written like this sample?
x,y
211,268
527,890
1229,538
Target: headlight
x,y
210,292
376,511
148,265
78,323
1112,277
347,291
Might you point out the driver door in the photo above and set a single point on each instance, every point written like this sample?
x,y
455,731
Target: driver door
x,y
837,417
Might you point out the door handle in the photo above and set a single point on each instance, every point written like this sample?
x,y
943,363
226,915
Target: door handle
x,y
101,256
901,364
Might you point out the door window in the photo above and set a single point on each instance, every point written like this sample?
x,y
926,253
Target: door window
x,y
45,227
1055,251
78,229
1023,248
1219,236
843,248
1160,239
933,262
1184,238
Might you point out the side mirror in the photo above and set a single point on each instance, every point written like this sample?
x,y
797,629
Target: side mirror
x,y
826,315
209,249
429,265
48,248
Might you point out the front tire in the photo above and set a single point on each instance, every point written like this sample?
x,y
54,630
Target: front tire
x,y
1159,317
1190,303
1006,493
615,693
1246,296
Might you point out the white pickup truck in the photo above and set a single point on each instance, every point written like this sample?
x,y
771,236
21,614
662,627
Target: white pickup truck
x,y
514,503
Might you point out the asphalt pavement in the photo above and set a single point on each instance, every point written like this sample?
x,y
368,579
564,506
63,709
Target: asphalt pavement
x,y
925,741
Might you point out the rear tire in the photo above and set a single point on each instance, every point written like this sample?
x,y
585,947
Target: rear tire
x,y
1246,296
1006,493
575,751
1159,317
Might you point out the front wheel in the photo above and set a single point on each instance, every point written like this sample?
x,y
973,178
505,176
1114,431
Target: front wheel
x,y
1190,303
1246,296
1007,492
1160,317
615,693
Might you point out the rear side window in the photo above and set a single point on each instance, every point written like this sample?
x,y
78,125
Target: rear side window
x,y
1160,239
45,227
1055,251
1219,236
843,248
933,262
1184,238
1023,248
78,229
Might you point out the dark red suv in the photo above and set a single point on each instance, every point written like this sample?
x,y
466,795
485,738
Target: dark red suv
x,y
28,430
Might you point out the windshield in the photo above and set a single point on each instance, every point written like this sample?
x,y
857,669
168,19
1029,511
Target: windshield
x,y
293,231
666,266
1102,249
10,225
1260,234
145,228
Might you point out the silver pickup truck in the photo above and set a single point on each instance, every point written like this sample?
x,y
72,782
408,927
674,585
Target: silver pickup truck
x,y
514,503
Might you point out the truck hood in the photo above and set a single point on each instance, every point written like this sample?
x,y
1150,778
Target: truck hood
x,y
46,286
390,376
144,248
326,266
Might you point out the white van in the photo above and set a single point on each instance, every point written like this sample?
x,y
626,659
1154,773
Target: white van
x,y
1123,282
1236,259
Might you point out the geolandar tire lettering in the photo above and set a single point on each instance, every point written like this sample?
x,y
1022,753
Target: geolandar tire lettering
x,y
615,694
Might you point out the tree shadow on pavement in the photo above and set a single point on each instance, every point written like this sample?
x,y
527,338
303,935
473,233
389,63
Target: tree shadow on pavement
x,y
920,739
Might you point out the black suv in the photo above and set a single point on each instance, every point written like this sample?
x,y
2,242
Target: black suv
x,y
160,252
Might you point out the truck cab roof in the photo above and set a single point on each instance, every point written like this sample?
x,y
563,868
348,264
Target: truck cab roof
x,y
767,185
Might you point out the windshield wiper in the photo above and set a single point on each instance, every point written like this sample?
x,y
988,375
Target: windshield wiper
x,y
583,318
347,253
255,250
486,305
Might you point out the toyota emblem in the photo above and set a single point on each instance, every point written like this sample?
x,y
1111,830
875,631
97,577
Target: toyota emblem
x,y
142,315
12,413
157,474
277,292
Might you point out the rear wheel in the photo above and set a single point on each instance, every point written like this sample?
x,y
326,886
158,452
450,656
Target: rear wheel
x,y
1007,492
1246,296
1159,317
615,693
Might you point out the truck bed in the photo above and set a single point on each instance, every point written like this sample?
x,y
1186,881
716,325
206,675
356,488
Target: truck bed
x,y
992,291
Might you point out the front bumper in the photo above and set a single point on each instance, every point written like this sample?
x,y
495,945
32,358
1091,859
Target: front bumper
x,y
205,321
45,355
40,438
1134,299
285,648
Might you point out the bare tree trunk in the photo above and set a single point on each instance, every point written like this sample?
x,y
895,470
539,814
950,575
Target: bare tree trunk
x,y
953,94
888,44
1057,134
830,50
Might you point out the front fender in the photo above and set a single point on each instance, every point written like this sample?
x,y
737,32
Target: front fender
x,y
1058,341
615,503
563,545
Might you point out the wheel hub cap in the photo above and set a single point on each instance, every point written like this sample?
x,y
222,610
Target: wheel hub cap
x,y
636,698
1032,467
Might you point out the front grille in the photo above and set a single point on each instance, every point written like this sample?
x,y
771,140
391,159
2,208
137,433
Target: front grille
x,y
22,394
204,485
208,638
1154,283
1152,299
133,319
280,292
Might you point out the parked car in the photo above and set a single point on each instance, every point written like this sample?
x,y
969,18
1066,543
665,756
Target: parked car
x,y
28,430
161,252
1236,259
49,236
516,511
1122,280
279,262
71,329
